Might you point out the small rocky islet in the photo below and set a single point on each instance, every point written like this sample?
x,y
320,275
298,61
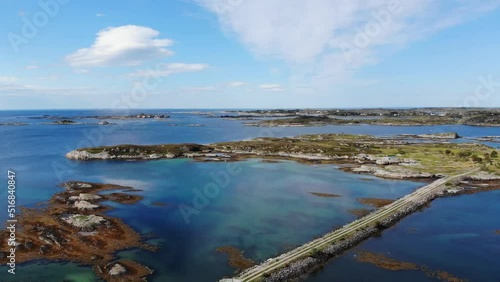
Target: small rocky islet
x,y
58,120
73,227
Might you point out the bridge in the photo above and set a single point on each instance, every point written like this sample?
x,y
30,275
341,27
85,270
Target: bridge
x,y
255,273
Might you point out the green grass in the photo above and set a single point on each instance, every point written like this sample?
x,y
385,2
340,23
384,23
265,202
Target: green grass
x,y
436,158
175,149
81,217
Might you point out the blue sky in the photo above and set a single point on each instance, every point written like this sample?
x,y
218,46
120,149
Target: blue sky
x,y
249,54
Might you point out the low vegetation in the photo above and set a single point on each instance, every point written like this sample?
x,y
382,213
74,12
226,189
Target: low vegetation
x,y
429,157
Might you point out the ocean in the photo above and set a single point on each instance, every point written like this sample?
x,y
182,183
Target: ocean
x,y
264,209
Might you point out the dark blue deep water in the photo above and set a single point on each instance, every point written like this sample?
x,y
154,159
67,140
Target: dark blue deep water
x,y
262,208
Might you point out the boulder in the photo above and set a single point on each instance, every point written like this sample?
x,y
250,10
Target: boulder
x,y
43,249
444,135
117,269
84,205
85,197
83,221
77,185
387,161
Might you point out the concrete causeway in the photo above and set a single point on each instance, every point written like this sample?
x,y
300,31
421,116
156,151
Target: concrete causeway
x,y
423,194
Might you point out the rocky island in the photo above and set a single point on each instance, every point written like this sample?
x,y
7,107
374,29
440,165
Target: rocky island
x,y
383,157
387,117
73,227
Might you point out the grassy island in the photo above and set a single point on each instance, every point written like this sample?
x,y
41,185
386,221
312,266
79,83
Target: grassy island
x,y
384,157
388,117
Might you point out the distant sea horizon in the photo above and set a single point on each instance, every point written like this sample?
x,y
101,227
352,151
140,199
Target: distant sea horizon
x,y
256,108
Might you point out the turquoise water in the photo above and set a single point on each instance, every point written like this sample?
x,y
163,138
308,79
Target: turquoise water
x,y
42,271
261,208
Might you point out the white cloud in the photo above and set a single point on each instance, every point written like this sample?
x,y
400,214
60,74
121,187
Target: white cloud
x,y
99,15
7,79
127,45
236,84
32,67
12,87
81,71
163,70
49,77
19,90
271,87
201,89
326,41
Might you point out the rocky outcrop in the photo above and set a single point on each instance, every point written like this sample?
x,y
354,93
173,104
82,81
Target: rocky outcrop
x,y
83,221
84,155
105,155
77,185
49,236
85,197
393,172
13,123
443,135
84,205
64,121
483,176
155,116
385,160
117,269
